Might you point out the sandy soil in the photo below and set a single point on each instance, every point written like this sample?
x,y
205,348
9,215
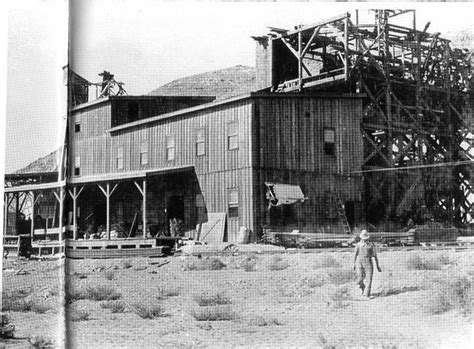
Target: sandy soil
x,y
303,305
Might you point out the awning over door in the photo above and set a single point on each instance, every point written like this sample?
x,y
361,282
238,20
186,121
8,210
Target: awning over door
x,y
284,194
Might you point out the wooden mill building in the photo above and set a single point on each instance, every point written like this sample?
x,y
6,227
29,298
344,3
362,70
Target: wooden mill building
x,y
261,159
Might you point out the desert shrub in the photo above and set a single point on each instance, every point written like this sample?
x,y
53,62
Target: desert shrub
x,y
341,276
8,329
260,320
278,263
75,294
39,307
313,282
443,259
448,294
165,292
416,262
210,299
109,275
114,306
41,342
214,313
78,315
102,293
326,261
249,263
80,275
15,302
126,264
212,263
149,311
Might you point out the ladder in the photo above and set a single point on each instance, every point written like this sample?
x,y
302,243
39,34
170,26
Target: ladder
x,y
341,213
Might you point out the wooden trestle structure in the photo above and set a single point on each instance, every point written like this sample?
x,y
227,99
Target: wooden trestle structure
x,y
418,121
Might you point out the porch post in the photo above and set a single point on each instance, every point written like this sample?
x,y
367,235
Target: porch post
x,y
5,214
107,224
107,192
74,212
17,206
61,213
32,214
144,209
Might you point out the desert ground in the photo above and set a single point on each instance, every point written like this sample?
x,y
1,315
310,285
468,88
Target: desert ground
x,y
421,299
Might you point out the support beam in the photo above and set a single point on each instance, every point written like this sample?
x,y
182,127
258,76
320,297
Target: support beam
x,y
142,191
75,195
108,193
33,201
60,199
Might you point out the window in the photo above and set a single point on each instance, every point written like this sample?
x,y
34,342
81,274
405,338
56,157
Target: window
x,y
233,203
329,141
77,166
77,127
170,148
120,158
200,142
144,154
233,135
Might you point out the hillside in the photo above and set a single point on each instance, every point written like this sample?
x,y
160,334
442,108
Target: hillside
x,y
48,163
221,83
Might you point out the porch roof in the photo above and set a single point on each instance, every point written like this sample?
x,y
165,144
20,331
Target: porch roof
x,y
120,176
35,187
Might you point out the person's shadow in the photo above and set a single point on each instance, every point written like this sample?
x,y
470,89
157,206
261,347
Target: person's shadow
x,y
395,290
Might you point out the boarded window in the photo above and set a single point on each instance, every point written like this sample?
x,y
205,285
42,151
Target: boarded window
x,y
170,148
120,158
77,166
144,154
329,141
233,135
233,202
77,127
200,142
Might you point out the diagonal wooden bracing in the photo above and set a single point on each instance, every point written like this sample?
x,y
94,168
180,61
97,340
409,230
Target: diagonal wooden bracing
x,y
418,107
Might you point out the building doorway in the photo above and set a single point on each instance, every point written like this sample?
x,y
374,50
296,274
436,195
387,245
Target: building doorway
x,y
175,214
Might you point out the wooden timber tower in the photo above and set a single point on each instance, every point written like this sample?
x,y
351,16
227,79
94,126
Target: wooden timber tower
x,y
417,127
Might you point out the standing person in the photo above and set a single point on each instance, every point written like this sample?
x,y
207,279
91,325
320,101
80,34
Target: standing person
x,y
364,252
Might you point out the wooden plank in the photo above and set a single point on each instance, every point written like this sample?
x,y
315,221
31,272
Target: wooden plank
x,y
213,230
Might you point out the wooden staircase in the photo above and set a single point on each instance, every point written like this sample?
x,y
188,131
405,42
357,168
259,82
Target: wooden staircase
x,y
341,213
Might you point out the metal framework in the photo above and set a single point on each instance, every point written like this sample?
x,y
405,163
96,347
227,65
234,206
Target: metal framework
x,y
418,121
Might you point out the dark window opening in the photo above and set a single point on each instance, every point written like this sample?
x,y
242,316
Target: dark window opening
x,y
77,166
133,111
77,127
233,203
329,141
233,136
200,142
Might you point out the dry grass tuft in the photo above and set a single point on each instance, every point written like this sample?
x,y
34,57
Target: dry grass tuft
x,y
313,281
126,264
211,299
278,263
109,275
416,262
41,342
249,263
94,293
448,294
165,292
16,302
340,297
326,261
214,313
150,311
260,321
114,306
79,315
209,263
341,276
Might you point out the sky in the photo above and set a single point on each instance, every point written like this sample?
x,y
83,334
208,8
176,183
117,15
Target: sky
x,y
145,44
